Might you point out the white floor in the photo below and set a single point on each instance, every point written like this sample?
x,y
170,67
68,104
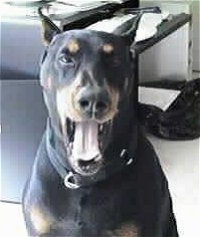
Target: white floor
x,y
12,224
180,161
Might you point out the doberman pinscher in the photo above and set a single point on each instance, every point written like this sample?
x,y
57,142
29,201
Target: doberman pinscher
x,y
95,173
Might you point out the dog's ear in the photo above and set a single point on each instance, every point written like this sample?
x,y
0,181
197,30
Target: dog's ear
x,y
49,28
129,30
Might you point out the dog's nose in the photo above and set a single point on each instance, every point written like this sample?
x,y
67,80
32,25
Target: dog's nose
x,y
94,103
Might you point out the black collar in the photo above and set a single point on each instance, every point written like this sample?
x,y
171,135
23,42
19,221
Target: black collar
x,y
74,180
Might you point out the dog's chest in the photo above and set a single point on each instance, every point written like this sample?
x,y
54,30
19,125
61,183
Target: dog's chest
x,y
98,213
105,209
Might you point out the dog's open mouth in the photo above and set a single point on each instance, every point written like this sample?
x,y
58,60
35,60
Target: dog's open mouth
x,y
87,142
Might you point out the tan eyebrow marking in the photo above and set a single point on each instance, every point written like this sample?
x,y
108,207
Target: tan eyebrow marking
x,y
108,48
73,46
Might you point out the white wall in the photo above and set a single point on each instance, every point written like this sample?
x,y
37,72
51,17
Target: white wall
x,y
167,59
196,34
194,9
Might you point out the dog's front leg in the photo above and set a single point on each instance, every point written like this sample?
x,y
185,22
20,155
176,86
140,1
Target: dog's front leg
x,y
38,223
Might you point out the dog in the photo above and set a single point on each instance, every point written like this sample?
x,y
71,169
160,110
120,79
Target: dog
x,y
95,174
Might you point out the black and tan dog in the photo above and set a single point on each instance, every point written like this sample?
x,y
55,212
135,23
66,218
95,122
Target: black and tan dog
x,y
95,174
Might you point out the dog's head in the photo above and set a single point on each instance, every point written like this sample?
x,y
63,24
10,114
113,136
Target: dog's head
x,y
86,77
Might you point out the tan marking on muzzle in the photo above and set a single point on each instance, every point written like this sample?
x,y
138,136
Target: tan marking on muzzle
x,y
113,110
66,105
108,48
73,46
40,221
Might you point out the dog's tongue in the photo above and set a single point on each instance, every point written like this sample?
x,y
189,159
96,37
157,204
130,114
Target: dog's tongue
x,y
85,145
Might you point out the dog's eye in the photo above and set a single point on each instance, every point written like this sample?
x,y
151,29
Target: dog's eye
x,y
66,60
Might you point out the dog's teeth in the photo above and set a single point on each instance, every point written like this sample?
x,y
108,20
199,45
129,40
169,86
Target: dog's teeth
x,y
101,128
97,159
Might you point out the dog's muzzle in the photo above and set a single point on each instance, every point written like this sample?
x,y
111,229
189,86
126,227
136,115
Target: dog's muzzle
x,y
86,154
86,113
86,117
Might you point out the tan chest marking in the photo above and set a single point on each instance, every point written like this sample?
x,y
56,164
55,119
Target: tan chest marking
x,y
126,230
40,221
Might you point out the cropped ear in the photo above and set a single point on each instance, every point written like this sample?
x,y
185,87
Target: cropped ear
x,y
49,28
129,29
